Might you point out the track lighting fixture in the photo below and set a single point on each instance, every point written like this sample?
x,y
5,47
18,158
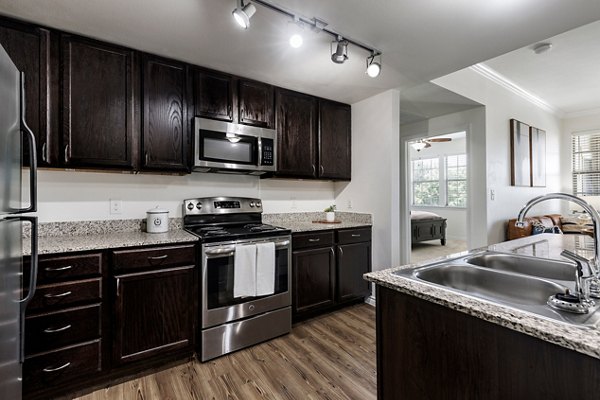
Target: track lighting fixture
x,y
243,13
245,9
296,38
340,55
373,67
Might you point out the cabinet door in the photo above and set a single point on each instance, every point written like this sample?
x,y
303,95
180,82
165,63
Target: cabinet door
x,y
334,140
213,94
296,134
29,47
166,135
353,261
153,313
98,103
256,102
313,279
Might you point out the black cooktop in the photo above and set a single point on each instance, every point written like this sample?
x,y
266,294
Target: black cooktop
x,y
219,233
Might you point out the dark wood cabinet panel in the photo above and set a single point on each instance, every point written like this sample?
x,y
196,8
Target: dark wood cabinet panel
x,y
153,313
166,134
296,122
98,86
34,51
256,103
213,94
313,279
428,351
353,260
154,257
335,155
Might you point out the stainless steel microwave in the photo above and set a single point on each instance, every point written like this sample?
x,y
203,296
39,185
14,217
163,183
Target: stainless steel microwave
x,y
234,148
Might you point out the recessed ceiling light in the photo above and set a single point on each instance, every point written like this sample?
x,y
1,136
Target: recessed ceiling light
x,y
296,41
542,48
242,14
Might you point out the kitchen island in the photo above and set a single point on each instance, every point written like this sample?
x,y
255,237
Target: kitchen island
x,y
434,343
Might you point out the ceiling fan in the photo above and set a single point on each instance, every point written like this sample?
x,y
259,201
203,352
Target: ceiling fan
x,y
426,143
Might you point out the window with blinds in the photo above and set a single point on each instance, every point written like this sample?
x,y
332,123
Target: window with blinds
x,y
586,164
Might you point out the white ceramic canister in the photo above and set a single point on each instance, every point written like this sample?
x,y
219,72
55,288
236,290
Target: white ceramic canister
x,y
157,220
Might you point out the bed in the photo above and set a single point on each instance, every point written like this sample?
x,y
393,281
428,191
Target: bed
x,y
427,226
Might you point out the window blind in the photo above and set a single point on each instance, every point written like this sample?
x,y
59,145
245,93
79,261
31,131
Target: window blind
x,y
586,164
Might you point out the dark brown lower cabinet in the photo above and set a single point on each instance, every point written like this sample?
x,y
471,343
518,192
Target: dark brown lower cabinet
x,y
314,279
430,352
353,260
153,313
328,270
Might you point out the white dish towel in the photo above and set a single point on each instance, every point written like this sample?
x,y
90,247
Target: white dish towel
x,y
265,268
244,271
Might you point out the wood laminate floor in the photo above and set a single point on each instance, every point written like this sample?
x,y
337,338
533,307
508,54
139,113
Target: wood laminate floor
x,y
329,357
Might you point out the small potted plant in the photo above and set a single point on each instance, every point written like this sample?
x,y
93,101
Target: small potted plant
x,y
330,213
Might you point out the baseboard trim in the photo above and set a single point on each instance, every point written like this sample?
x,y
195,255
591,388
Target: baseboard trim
x,y
371,301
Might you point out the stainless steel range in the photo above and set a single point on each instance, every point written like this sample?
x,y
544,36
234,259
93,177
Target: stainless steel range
x,y
239,251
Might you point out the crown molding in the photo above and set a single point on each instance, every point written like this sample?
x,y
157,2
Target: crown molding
x,y
499,79
583,113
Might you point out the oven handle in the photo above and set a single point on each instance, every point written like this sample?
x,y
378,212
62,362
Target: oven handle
x,y
227,251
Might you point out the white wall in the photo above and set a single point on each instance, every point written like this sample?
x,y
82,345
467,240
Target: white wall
x,y
500,106
569,126
375,173
76,195
456,217
473,123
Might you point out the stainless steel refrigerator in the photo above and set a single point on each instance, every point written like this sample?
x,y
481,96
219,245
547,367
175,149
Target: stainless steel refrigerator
x,y
16,287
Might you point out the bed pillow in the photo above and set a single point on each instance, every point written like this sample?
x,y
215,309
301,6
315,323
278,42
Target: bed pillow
x,y
575,224
539,228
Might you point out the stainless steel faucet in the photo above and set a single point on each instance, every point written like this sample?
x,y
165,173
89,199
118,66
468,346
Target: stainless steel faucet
x,y
594,265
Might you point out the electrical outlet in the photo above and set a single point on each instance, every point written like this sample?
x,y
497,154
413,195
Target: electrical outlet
x,y
116,206
349,205
492,194
294,203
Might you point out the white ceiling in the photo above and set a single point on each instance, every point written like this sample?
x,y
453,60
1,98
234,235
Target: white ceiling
x,y
567,77
421,40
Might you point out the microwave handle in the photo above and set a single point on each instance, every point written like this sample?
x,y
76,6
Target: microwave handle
x,y
259,152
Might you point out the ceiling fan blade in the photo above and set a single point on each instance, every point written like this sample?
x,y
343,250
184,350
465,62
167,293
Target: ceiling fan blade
x,y
444,139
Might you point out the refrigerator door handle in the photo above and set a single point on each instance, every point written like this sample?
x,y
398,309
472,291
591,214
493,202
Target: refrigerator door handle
x,y
32,156
32,275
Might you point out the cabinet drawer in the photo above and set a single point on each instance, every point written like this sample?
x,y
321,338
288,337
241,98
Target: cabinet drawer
x,y
154,257
66,294
53,269
61,366
354,235
316,239
50,331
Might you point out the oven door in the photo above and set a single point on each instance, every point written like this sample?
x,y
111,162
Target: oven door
x,y
218,304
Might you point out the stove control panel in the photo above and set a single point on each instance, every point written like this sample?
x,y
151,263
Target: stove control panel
x,y
221,205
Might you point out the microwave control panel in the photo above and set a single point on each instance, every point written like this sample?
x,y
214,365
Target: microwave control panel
x,y
267,151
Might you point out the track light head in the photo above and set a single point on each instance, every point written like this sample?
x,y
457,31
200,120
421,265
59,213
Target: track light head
x,y
340,55
373,67
242,14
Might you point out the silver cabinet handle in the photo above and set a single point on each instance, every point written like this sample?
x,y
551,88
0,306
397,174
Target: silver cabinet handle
x,y
44,154
341,251
321,169
314,169
356,235
158,258
65,268
59,295
66,154
50,369
312,240
55,330
146,158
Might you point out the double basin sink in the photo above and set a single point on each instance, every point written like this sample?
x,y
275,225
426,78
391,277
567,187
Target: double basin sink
x,y
521,282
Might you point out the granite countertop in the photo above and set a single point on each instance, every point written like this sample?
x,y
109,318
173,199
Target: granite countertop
x,y
303,222
584,340
65,237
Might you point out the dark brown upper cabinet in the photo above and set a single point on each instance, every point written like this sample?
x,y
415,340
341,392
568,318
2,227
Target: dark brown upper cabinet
x,y
334,140
32,49
256,104
296,122
166,129
98,91
213,94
